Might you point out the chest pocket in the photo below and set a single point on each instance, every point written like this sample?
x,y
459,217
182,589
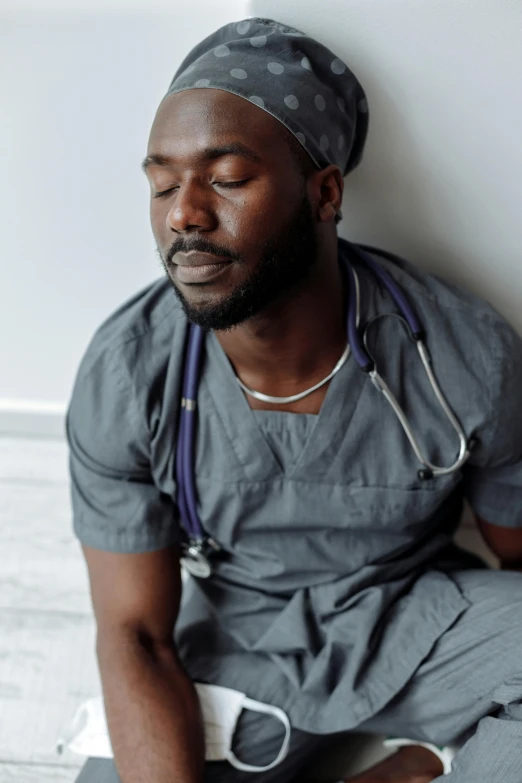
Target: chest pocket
x,y
396,519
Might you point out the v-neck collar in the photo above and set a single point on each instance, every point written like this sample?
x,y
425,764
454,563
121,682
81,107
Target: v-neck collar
x,y
246,436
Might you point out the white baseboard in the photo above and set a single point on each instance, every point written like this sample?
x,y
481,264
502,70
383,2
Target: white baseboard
x,y
32,419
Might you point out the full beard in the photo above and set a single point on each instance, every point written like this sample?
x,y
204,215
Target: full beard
x,y
284,267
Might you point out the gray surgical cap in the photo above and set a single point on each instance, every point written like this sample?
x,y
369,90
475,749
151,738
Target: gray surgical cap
x,y
290,75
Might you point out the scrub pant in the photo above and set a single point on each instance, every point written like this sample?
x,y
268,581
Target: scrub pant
x,y
467,691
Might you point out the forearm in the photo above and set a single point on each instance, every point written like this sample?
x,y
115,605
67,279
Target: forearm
x,y
153,712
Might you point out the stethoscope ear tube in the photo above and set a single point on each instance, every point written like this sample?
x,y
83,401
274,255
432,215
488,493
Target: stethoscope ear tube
x,y
366,362
393,289
430,470
360,355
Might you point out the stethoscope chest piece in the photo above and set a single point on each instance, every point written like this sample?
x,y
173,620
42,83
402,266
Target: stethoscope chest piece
x,y
197,555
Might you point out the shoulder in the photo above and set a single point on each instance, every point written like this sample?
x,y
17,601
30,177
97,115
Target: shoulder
x,y
452,311
432,289
476,352
149,319
116,385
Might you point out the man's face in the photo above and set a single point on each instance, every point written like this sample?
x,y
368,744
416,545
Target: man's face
x,y
252,210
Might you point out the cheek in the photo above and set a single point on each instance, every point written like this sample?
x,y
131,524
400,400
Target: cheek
x,y
158,218
265,209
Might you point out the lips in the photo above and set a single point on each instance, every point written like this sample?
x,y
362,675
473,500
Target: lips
x,y
199,267
195,258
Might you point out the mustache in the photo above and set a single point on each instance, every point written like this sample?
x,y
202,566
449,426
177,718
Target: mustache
x,y
200,246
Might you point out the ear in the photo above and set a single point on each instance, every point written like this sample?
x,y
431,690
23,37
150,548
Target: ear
x,y
330,186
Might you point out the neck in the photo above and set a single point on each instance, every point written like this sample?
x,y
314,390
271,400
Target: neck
x,y
294,343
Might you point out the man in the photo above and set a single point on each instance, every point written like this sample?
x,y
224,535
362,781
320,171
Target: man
x,y
337,594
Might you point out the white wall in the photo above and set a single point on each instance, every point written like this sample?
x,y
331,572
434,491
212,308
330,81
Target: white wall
x,y
78,92
441,181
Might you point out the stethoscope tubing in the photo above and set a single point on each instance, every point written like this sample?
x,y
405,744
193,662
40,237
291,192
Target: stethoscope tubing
x,y
193,364
363,358
396,293
436,470
180,475
186,436
180,458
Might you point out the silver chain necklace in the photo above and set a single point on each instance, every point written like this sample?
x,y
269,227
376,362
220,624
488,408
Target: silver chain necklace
x,y
295,397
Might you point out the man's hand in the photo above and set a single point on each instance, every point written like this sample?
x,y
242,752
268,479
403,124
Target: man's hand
x,y
408,765
504,542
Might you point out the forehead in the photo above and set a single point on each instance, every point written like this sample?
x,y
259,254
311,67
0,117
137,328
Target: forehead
x,y
190,121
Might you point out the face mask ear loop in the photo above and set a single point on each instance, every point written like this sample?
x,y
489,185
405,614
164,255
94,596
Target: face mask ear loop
x,y
78,724
268,709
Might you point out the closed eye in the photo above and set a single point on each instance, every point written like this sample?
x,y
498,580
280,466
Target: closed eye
x,y
231,184
164,193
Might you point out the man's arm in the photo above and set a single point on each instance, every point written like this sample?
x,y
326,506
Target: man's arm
x,y
152,708
504,542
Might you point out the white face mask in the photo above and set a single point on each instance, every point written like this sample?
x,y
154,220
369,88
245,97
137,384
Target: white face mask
x,y
88,734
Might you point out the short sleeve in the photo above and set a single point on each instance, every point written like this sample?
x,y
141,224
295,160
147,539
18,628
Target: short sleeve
x,y
493,476
116,505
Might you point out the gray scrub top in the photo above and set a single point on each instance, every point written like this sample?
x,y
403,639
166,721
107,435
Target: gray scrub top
x,y
336,582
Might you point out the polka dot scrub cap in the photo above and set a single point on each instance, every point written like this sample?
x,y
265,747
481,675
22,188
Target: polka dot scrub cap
x,y
293,77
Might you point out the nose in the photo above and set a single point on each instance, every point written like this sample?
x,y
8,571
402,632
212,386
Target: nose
x,y
189,208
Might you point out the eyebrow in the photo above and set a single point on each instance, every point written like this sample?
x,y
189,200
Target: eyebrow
x,y
208,154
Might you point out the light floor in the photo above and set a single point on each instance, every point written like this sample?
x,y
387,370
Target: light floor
x,y
47,662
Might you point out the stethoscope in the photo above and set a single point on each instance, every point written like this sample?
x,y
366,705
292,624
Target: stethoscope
x,y
199,547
